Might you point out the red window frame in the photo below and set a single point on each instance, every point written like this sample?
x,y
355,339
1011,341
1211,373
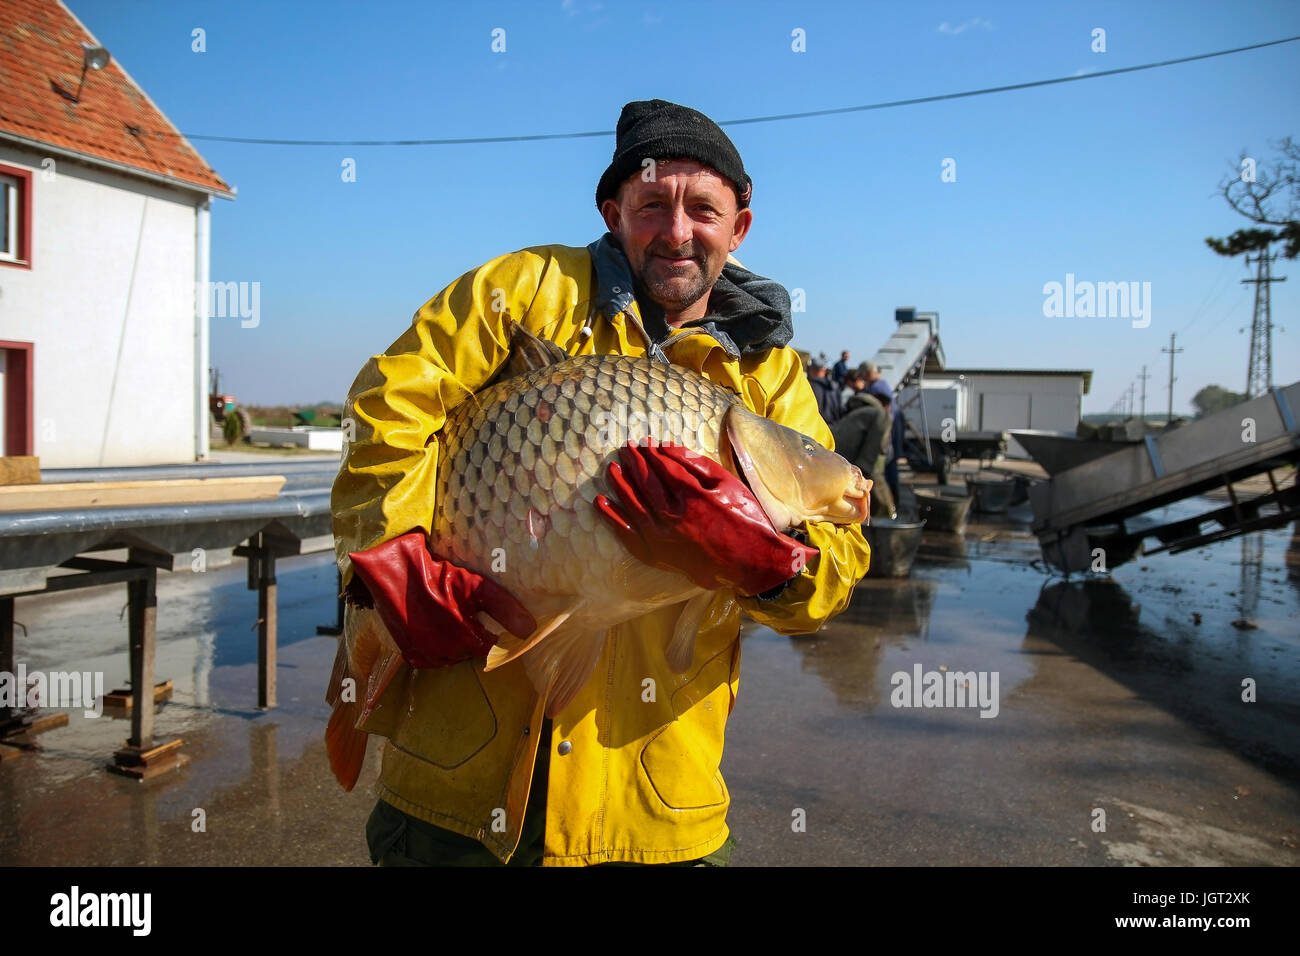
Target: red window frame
x,y
24,177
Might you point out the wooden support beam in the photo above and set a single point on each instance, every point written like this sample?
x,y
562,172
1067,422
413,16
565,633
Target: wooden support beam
x,y
267,635
142,610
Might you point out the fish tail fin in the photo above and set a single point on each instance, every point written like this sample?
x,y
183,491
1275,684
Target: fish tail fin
x,y
345,744
365,664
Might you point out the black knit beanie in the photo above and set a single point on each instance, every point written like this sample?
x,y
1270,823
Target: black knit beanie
x,y
657,129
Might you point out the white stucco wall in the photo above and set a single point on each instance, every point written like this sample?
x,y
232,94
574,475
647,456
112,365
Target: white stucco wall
x,y
109,304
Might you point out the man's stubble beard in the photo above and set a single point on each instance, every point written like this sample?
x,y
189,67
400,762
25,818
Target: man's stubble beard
x,y
658,285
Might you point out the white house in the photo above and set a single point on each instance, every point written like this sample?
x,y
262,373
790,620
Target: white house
x,y
104,227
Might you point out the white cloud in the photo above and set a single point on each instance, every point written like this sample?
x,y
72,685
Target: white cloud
x,y
953,29
573,7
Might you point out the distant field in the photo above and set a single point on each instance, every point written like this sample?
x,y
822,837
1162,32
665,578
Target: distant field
x,y
281,416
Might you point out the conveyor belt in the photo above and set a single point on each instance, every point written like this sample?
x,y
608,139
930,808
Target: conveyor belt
x,y
904,354
1252,438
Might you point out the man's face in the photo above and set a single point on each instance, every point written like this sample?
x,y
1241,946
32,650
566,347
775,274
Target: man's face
x,y
677,231
844,356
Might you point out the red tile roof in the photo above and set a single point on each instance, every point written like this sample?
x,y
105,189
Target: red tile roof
x,y
40,49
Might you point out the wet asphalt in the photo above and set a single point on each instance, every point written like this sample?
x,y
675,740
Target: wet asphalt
x,y
1118,734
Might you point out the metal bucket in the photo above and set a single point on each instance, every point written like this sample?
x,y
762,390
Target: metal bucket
x,y
942,509
893,546
992,497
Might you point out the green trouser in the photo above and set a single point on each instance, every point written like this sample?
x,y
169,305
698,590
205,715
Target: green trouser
x,y
399,839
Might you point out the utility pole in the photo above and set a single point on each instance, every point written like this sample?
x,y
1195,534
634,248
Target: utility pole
x,y
1259,367
1144,376
1130,401
1172,351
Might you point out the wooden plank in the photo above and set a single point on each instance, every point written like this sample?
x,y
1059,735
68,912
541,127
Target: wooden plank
x,y
138,755
148,771
120,702
20,470
167,491
143,764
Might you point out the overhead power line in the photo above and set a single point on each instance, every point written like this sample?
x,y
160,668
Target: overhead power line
x,y
776,117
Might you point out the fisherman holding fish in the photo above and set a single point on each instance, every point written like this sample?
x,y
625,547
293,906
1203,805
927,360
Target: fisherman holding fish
x,y
544,611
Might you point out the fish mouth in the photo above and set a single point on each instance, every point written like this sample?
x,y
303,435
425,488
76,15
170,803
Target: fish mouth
x,y
859,496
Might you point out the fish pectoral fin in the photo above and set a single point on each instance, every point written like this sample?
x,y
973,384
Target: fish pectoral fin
x,y
508,648
380,678
681,647
561,666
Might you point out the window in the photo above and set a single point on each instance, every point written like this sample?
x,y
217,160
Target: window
x,y
15,216
8,217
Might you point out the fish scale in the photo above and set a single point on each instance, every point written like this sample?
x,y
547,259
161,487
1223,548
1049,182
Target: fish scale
x,y
509,480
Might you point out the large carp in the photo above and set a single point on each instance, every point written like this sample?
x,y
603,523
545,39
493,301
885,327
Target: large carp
x,y
520,464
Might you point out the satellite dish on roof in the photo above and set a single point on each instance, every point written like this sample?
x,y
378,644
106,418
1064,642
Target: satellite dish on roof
x,y
92,58
95,57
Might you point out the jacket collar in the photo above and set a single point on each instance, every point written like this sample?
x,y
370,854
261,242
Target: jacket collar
x,y
747,312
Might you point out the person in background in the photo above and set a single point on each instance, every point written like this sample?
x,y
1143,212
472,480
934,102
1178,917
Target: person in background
x,y
897,430
877,386
862,437
841,370
828,396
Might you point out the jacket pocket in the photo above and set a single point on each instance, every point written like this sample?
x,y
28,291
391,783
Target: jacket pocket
x,y
681,760
447,716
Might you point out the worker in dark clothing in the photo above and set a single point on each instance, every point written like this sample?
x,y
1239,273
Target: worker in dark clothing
x,y
828,396
841,370
881,390
862,436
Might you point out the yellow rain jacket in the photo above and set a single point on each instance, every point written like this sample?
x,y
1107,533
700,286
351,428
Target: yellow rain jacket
x,y
634,758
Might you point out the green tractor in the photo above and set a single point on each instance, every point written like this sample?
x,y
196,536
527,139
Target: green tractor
x,y
235,422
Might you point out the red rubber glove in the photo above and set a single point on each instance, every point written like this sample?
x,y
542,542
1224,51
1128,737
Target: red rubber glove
x,y
681,511
430,606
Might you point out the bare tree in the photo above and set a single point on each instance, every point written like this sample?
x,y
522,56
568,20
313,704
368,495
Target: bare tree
x,y
1267,198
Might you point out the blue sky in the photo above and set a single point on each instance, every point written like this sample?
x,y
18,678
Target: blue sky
x,y
1111,179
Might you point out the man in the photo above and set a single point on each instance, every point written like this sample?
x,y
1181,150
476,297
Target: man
x,y
828,396
472,772
875,383
877,386
862,436
841,370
